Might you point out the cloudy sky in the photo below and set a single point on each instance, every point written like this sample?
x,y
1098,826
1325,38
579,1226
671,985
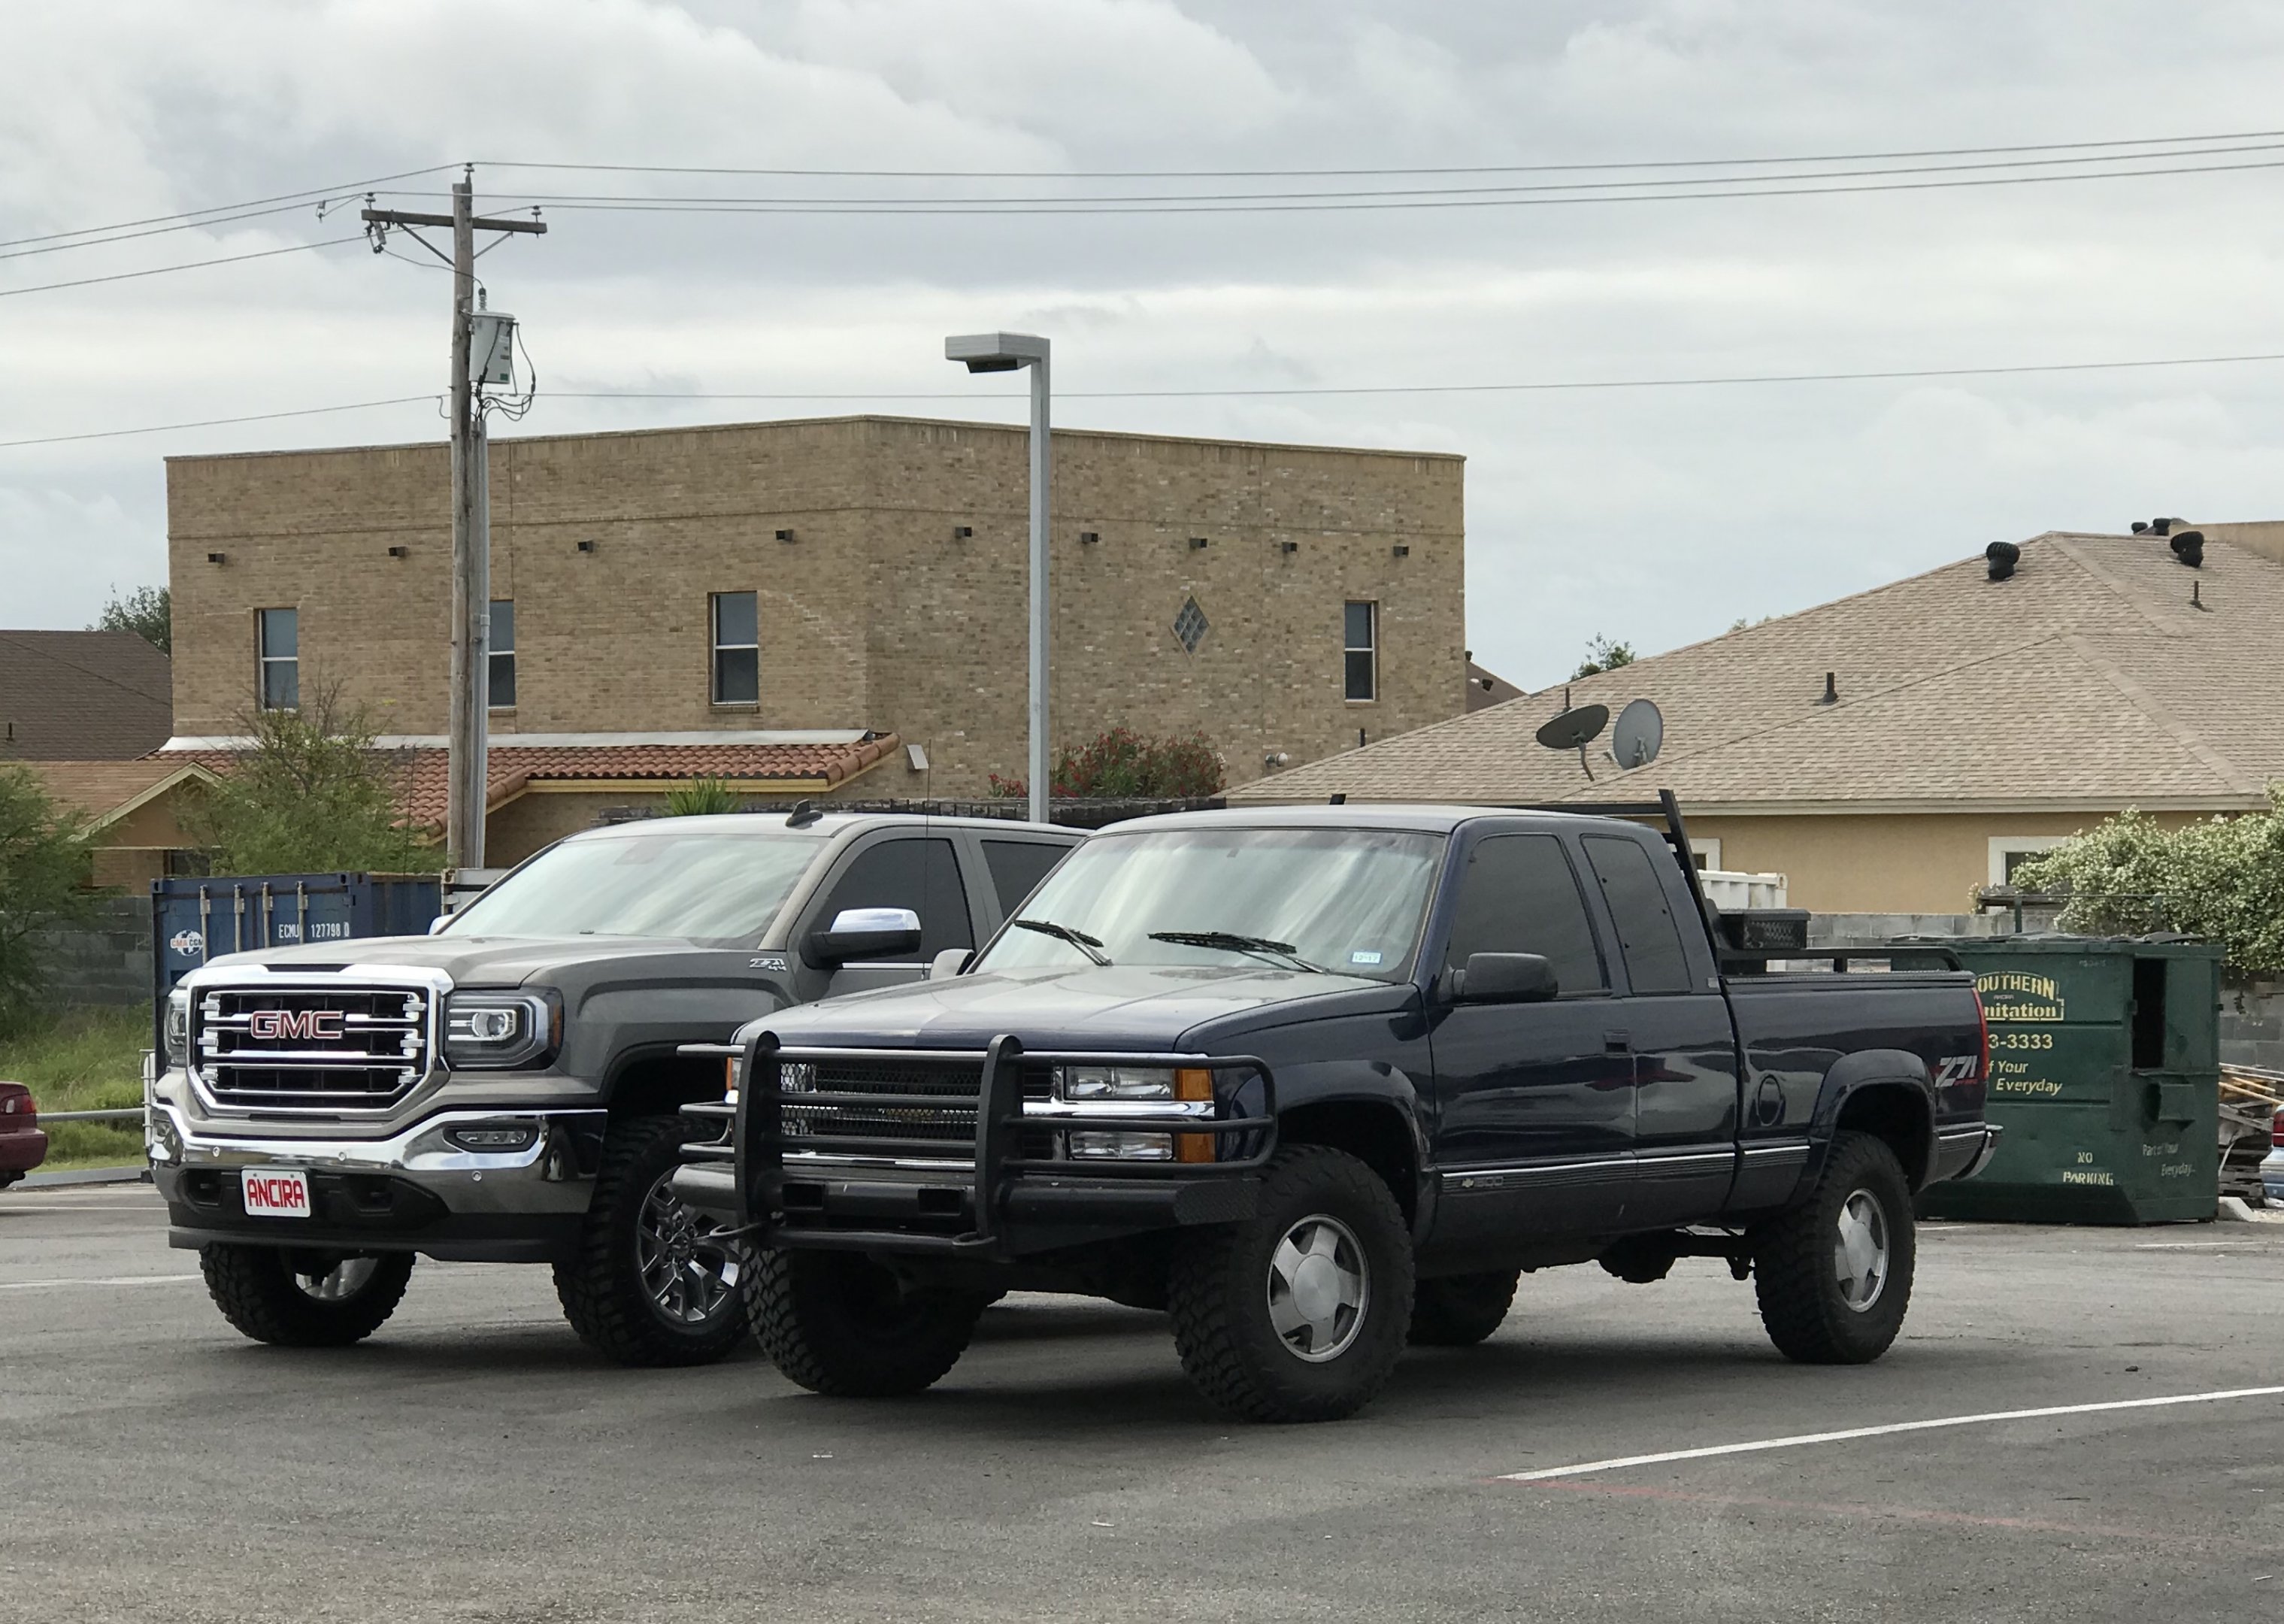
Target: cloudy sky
x,y
1654,514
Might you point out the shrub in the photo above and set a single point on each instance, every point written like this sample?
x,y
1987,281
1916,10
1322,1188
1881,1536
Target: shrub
x,y
312,794
2219,877
701,796
45,865
1123,765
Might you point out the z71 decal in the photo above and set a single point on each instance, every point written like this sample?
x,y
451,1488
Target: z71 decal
x,y
1958,1068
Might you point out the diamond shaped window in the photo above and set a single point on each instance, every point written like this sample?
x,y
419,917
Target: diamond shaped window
x,y
1190,626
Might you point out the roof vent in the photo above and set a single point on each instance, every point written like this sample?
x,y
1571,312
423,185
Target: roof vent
x,y
2003,557
2140,526
2189,547
2158,527
1831,688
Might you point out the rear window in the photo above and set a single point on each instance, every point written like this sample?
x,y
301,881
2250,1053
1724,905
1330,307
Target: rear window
x,y
1647,935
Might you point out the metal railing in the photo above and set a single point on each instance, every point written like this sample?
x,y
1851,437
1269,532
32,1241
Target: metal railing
x,y
126,1114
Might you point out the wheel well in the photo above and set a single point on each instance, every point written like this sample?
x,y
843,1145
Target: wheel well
x,y
650,1084
1896,1113
1376,1135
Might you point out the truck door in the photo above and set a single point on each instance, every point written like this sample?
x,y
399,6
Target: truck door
x,y
1535,1114
920,873
1684,1049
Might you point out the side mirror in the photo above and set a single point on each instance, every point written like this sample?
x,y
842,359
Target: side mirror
x,y
863,932
948,962
1504,978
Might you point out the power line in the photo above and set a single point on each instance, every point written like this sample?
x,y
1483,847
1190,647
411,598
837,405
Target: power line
x,y
160,270
252,417
1683,163
1027,206
311,195
156,231
1151,395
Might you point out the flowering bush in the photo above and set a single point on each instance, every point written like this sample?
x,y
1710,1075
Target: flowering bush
x,y
2219,877
1123,764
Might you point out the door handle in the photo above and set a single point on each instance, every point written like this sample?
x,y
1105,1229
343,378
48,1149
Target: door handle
x,y
1617,1042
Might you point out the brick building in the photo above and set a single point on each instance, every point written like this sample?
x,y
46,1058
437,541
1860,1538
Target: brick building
x,y
765,583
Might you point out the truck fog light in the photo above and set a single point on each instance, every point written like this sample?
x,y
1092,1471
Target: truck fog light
x,y
491,1139
166,1145
1089,1144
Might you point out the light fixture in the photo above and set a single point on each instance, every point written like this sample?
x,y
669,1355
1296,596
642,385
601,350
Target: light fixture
x,y
216,558
1402,551
960,533
1197,544
785,535
400,552
1289,546
586,547
917,755
1088,538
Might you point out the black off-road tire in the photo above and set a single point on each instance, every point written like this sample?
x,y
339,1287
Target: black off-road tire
x,y
257,1290
601,1286
1461,1310
838,1323
1220,1291
1797,1278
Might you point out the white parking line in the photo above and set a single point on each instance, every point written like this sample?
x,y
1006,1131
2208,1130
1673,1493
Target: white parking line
x,y
1881,1431
43,1286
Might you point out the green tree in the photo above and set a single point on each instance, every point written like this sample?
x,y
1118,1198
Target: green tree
x,y
147,611
701,796
1124,765
312,794
2219,877
44,872
1603,654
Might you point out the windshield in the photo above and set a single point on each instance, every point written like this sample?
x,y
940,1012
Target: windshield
x,y
717,886
1343,900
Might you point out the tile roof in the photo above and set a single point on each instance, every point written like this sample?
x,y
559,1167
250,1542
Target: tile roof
x,y
68,695
2090,681
513,769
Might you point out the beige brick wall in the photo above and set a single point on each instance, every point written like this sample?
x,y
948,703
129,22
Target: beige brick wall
x,y
873,616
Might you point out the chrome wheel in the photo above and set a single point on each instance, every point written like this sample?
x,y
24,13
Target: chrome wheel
x,y
1859,1250
339,1283
1320,1286
690,1269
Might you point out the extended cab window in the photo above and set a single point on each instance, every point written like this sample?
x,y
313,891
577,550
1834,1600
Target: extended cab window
x,y
1017,867
922,875
1646,932
1518,895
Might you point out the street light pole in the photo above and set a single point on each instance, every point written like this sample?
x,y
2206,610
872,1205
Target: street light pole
x,y
1004,352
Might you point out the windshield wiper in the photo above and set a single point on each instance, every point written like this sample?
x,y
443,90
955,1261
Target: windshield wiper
x,y
1091,946
1259,946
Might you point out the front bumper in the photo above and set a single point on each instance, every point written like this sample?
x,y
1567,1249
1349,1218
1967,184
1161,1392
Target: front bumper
x,y
1962,1153
983,1198
413,1191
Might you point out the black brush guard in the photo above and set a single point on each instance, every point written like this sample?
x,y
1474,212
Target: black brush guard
x,y
1013,1203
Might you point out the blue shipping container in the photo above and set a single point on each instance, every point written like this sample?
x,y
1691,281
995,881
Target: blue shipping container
x,y
193,920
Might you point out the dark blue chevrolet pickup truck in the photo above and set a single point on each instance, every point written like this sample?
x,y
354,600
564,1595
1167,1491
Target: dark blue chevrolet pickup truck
x,y
1321,1081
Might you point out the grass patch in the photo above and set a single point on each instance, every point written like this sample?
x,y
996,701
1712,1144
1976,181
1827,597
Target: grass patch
x,y
86,1060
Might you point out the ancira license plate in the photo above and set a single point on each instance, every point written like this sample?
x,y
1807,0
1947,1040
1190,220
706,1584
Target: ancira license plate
x,y
275,1192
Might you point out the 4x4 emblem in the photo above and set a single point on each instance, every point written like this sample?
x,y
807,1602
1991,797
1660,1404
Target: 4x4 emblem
x,y
274,1026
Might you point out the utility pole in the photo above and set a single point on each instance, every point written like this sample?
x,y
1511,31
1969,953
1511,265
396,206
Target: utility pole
x,y
472,563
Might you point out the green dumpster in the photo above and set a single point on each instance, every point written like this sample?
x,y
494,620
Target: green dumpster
x,y
2104,1075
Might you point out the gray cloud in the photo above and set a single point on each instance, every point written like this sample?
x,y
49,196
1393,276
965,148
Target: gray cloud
x,y
1657,516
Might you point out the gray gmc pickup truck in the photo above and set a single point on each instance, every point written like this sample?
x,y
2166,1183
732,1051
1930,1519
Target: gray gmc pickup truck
x,y
506,1089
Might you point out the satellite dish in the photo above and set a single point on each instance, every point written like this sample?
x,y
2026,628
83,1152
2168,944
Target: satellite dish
x,y
1639,734
1575,729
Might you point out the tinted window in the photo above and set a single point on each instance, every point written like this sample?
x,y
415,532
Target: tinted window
x,y
1017,868
1518,895
920,875
1647,931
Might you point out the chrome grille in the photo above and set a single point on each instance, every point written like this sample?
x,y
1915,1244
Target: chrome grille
x,y
308,1047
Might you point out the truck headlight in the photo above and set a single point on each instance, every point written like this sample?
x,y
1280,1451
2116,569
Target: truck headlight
x,y
177,1032
499,1029
1099,1082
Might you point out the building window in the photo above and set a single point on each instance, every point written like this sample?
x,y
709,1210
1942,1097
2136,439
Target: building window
x,y
502,654
737,649
277,649
2009,852
1361,643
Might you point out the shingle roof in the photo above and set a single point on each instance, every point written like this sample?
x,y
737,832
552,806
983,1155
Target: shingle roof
x,y
71,696
2090,681
100,789
512,769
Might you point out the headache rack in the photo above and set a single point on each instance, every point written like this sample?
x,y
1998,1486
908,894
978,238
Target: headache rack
x,y
976,1139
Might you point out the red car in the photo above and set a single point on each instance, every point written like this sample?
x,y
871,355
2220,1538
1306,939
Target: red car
x,y
22,1145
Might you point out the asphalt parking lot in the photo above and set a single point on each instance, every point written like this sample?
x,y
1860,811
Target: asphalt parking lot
x,y
474,1462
